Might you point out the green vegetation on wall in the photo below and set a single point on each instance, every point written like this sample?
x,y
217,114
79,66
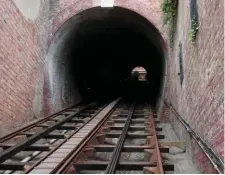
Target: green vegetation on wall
x,y
193,30
169,9
194,20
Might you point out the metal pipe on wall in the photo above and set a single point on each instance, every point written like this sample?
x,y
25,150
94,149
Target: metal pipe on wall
x,y
216,161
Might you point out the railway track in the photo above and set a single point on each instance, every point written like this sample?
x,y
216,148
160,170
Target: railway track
x,y
91,138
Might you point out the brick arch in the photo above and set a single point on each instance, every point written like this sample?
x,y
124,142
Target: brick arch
x,y
66,13
72,9
148,9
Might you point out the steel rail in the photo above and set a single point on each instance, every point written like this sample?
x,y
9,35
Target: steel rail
x,y
79,160
153,165
111,168
158,154
34,154
21,146
65,165
30,126
74,132
33,124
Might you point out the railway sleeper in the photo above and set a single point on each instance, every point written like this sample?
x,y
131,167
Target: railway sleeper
x,y
126,148
34,147
102,165
135,116
63,127
132,135
14,165
134,128
133,121
49,136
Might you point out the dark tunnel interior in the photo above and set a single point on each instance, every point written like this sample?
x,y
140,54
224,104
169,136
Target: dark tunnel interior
x,y
104,45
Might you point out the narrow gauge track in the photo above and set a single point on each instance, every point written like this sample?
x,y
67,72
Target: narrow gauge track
x,y
78,134
131,129
42,137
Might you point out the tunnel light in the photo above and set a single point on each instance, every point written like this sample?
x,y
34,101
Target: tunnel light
x,y
107,3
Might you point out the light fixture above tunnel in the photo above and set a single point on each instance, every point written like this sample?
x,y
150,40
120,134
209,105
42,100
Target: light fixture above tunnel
x,y
107,3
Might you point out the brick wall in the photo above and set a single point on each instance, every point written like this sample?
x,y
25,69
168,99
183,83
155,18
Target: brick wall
x,y
25,88
200,99
24,83
23,45
18,66
62,11
42,23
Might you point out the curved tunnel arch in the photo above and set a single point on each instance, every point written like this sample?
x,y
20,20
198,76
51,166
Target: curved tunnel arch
x,y
101,45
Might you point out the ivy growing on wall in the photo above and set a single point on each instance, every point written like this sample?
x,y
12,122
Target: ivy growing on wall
x,y
194,20
169,10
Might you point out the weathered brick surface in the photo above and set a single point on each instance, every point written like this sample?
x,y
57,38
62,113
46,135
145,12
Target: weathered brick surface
x,y
18,66
22,50
25,86
164,114
200,99
66,9
42,24
62,11
150,9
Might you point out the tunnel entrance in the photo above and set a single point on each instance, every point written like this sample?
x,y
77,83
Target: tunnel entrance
x,y
93,53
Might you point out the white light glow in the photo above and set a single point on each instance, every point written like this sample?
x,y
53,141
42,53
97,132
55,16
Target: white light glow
x,y
107,3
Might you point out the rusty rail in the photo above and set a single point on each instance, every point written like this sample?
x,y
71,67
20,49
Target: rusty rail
x,y
81,159
44,131
111,168
32,125
86,132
